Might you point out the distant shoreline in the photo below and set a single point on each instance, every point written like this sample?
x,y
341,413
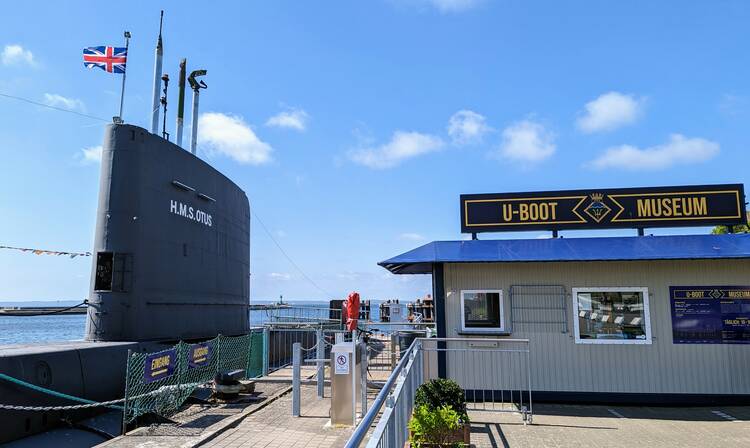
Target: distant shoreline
x,y
54,303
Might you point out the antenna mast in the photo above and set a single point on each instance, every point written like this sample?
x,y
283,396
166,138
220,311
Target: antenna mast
x,y
157,79
196,86
181,102
163,100
122,90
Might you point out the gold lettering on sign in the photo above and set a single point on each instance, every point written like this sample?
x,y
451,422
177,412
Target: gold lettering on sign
x,y
744,294
530,211
160,365
672,207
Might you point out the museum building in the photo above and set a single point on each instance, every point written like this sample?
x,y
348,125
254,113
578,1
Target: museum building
x,y
649,319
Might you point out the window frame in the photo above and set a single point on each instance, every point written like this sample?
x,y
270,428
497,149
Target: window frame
x,y
646,315
501,307
121,272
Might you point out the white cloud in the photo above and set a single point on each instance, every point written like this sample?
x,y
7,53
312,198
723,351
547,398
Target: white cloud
x,y
92,154
678,150
412,237
280,276
610,111
527,142
53,99
466,127
403,146
449,6
231,136
295,119
16,55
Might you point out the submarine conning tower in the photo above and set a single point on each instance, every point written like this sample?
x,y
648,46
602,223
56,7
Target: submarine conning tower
x,y
171,257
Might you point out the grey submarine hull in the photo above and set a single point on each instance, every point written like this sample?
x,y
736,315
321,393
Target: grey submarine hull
x,y
171,261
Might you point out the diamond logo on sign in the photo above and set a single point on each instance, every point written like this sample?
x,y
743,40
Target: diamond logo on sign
x,y
716,294
342,364
597,209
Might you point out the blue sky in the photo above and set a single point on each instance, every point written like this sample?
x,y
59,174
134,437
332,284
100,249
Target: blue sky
x,y
355,126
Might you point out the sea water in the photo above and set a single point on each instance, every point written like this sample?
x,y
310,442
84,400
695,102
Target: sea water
x,y
71,327
35,329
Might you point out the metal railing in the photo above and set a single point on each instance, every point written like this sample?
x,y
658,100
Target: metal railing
x,y
388,397
280,342
390,340
296,314
494,373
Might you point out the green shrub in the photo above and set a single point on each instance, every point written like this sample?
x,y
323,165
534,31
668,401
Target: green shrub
x,y
433,426
442,392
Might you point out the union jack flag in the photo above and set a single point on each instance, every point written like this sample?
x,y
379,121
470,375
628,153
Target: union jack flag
x,y
111,59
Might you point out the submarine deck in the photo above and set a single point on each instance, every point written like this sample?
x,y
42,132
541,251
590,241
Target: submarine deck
x,y
7,350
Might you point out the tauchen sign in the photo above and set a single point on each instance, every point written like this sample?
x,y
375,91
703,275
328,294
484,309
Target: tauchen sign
x,y
700,205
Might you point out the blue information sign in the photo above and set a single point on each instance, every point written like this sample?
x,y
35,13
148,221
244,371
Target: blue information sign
x,y
710,314
199,355
159,365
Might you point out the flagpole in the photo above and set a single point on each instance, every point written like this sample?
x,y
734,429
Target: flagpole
x,y
125,72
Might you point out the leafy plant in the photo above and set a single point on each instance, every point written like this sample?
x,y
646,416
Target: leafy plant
x,y
434,426
742,228
442,392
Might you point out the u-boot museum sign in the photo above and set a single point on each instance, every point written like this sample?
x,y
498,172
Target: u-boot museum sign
x,y
681,206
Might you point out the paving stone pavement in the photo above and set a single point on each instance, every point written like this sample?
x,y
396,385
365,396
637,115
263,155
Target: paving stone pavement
x,y
193,423
572,426
274,426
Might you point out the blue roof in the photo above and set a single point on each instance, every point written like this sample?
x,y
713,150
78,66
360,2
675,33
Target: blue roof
x,y
674,247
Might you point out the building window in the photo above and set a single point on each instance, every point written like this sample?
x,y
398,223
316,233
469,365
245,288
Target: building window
x,y
482,311
611,315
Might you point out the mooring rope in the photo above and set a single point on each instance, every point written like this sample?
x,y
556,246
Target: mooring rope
x,y
22,314
86,403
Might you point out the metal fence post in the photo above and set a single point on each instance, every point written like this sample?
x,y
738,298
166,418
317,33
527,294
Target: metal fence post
x,y
528,376
363,377
352,369
127,384
296,361
181,361
390,428
218,353
394,344
320,354
266,349
249,354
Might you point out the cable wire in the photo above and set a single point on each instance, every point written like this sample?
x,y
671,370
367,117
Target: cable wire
x,y
329,295
36,103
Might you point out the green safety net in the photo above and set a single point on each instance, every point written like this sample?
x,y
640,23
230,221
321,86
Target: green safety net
x,y
160,382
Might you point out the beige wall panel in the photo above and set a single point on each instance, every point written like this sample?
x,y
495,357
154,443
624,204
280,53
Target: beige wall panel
x,y
559,364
